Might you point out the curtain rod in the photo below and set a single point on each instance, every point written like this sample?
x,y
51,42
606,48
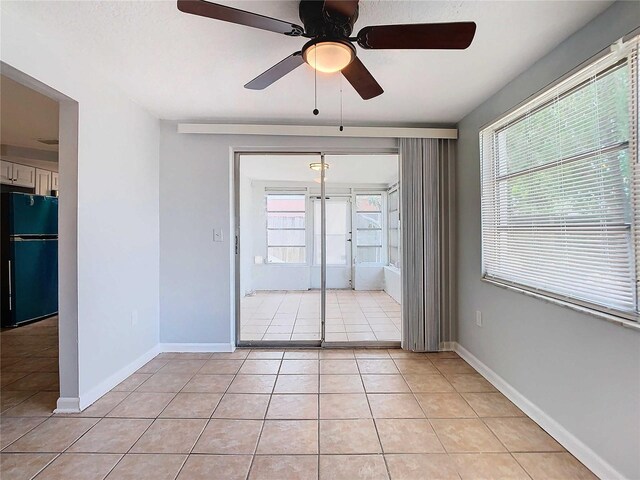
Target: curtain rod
x,y
316,131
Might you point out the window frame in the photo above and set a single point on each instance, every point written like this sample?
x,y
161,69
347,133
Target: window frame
x,y
395,189
382,229
619,53
303,229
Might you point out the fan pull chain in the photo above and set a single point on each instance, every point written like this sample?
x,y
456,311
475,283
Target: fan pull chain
x,y
341,122
315,84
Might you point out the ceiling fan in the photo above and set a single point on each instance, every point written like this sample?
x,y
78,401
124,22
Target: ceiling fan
x,y
328,24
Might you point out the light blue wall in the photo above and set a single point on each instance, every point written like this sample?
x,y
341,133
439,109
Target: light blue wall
x,y
582,371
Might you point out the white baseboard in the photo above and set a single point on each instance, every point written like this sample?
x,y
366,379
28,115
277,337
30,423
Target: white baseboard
x,y
197,347
74,405
575,446
86,399
67,405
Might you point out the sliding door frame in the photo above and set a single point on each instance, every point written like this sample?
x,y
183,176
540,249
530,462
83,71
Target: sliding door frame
x,y
236,154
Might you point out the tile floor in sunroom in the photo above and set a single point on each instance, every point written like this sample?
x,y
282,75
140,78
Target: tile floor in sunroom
x,y
267,414
352,316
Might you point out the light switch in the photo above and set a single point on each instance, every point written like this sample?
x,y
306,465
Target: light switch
x,y
217,235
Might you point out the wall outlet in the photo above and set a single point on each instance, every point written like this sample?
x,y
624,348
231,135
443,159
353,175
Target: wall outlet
x,y
478,318
134,318
217,235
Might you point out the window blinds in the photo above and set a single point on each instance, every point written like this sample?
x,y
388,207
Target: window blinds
x,y
559,189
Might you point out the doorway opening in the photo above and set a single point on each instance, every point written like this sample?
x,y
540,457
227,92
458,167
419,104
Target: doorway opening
x,y
39,153
317,257
29,185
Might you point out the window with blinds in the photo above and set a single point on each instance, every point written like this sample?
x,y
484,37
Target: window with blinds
x,y
286,237
559,192
368,228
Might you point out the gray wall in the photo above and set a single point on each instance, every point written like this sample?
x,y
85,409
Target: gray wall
x,y
109,225
196,274
580,370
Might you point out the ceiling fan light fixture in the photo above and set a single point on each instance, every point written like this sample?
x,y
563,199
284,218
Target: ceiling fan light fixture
x,y
328,56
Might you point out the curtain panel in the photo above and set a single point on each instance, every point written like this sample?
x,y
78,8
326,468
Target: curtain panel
x,y
427,174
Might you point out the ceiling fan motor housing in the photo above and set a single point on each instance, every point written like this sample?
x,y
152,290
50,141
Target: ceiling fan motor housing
x,y
329,24
321,22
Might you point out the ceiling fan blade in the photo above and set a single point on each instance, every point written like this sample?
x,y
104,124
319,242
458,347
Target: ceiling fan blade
x,y
345,8
241,17
276,72
449,36
361,79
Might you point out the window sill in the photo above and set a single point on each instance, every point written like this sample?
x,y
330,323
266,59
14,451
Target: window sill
x,y
578,308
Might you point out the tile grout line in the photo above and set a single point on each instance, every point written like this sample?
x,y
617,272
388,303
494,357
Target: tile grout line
x,y
427,417
206,423
375,424
279,373
264,421
153,420
318,421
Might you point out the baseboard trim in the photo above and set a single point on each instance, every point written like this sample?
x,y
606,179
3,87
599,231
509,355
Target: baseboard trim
x,y
103,387
573,445
67,405
197,347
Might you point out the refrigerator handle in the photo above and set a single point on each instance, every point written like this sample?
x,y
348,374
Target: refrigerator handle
x,y
9,262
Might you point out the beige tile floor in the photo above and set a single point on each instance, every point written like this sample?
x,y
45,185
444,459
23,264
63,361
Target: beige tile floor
x,y
278,415
352,316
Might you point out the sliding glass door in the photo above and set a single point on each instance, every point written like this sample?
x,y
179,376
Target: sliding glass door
x,y
311,250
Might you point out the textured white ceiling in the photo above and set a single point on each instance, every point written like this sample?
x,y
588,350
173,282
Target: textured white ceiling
x,y
349,169
26,116
181,66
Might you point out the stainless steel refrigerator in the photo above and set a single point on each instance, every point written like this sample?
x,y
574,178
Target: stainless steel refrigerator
x,y
29,257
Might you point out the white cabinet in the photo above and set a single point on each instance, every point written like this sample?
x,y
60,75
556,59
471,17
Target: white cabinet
x,y
43,182
19,175
24,176
6,172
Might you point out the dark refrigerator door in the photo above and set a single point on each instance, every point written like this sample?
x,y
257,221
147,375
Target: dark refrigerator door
x,y
32,214
34,279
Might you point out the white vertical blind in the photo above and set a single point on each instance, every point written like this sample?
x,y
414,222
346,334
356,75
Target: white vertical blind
x,y
558,189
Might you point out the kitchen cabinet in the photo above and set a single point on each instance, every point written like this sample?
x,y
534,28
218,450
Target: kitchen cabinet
x,y
19,175
6,172
43,182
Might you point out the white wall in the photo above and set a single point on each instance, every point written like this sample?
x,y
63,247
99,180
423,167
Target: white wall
x,y
392,283
581,371
117,212
369,277
196,274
